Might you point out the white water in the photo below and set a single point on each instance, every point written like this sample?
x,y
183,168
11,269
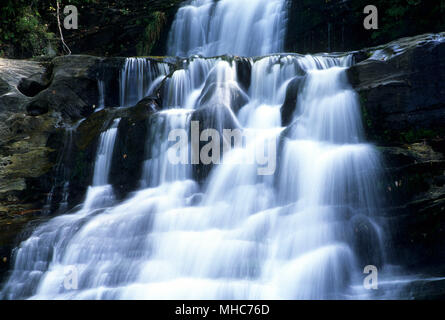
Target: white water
x,y
240,235
137,79
238,27
101,89
104,154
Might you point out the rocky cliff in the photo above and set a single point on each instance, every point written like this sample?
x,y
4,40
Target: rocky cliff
x,y
403,105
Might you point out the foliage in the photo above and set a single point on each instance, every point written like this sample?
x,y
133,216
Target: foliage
x,y
399,18
22,29
152,33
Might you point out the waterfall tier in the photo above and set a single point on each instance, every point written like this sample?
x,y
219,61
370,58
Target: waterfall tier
x,y
239,27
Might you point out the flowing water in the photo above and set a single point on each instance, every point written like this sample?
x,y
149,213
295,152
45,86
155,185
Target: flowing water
x,y
138,78
286,234
239,27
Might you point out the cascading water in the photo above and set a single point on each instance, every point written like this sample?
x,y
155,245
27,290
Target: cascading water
x,y
42,254
239,27
138,79
285,234
62,174
101,88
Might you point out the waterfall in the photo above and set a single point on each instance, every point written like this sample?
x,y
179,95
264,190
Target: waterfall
x,y
62,174
277,218
104,154
239,27
43,251
138,78
101,88
240,235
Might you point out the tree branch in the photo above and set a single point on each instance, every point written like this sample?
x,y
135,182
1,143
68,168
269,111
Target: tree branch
x,y
65,47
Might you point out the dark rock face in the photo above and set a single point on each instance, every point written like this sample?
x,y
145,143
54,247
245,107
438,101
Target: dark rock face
x,y
125,28
108,71
147,105
130,147
290,103
337,25
401,88
244,73
415,209
35,84
25,156
212,116
39,102
12,72
403,106
365,238
73,91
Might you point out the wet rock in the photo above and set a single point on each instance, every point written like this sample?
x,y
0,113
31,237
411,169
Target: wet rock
x,y
244,73
225,93
148,105
32,138
336,25
73,90
38,107
11,72
290,103
403,108
33,85
73,102
4,87
401,89
212,116
366,241
130,147
415,206
108,70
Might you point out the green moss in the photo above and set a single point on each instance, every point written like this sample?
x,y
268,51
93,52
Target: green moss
x,y
414,135
152,32
22,27
91,128
365,115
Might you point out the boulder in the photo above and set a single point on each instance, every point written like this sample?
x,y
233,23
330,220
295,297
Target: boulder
x,y
73,90
290,103
130,147
147,105
401,88
11,73
244,72
33,85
